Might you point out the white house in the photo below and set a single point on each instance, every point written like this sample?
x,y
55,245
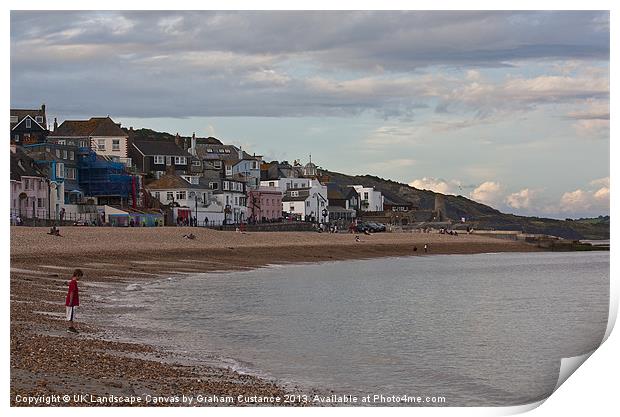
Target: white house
x,y
233,198
192,195
371,199
308,203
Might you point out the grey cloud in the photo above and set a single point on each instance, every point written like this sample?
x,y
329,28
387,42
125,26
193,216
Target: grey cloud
x,y
151,64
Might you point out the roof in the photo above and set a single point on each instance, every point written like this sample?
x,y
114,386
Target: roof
x,y
171,182
95,126
159,147
33,113
23,166
229,153
287,198
337,192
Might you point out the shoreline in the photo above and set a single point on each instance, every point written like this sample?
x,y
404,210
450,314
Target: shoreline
x,y
46,360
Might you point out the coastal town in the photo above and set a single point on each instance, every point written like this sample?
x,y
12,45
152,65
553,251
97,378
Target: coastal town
x,y
95,172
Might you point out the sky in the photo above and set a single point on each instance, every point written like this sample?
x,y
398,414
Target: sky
x,y
508,108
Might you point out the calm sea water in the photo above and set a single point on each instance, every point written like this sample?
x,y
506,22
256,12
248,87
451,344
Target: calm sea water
x,y
486,329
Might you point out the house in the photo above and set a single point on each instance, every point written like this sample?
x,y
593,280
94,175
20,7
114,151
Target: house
x,y
371,199
30,191
60,163
232,196
395,203
307,203
28,126
264,204
230,161
157,156
194,198
344,202
100,134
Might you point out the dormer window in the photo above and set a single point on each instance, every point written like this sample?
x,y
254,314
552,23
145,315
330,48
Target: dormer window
x,y
39,119
13,119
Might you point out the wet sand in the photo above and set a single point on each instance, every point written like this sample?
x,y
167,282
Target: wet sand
x,y
46,360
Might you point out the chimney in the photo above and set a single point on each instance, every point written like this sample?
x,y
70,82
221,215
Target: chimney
x,y
55,124
240,153
43,108
193,148
177,141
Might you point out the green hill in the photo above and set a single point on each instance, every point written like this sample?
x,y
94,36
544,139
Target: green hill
x,y
480,215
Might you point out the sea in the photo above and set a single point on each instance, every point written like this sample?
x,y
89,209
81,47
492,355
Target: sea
x,y
476,330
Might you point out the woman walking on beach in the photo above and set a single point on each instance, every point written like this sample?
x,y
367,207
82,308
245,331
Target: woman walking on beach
x,y
73,300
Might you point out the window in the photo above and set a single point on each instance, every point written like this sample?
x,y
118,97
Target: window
x,y
365,196
217,164
116,144
307,204
210,150
169,196
168,160
39,119
181,195
60,170
101,144
71,155
294,193
225,185
83,144
70,173
180,160
157,195
40,202
13,119
255,165
65,154
28,123
196,162
272,184
58,153
158,159
236,201
16,138
213,185
61,142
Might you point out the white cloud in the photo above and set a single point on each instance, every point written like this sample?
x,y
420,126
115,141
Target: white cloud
x,y
602,182
521,200
488,192
432,184
581,201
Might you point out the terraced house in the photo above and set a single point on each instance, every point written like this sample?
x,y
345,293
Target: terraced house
x,y
100,134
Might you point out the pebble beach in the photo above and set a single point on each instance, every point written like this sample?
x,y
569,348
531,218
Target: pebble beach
x,y
48,361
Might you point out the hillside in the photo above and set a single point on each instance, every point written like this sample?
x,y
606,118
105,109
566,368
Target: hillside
x,y
480,215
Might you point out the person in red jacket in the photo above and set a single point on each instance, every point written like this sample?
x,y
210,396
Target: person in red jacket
x,y
73,300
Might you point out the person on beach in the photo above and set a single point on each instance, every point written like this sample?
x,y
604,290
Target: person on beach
x,y
415,248
73,300
426,248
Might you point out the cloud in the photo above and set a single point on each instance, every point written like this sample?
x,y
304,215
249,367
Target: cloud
x,y
600,182
521,200
594,200
489,192
432,184
275,63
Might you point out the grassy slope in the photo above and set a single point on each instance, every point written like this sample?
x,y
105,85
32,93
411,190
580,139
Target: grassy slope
x,y
483,216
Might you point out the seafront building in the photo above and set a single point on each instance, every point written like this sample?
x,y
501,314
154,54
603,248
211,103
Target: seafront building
x,y
96,171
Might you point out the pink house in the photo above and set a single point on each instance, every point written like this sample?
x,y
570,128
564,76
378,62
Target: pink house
x,y
29,188
264,204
